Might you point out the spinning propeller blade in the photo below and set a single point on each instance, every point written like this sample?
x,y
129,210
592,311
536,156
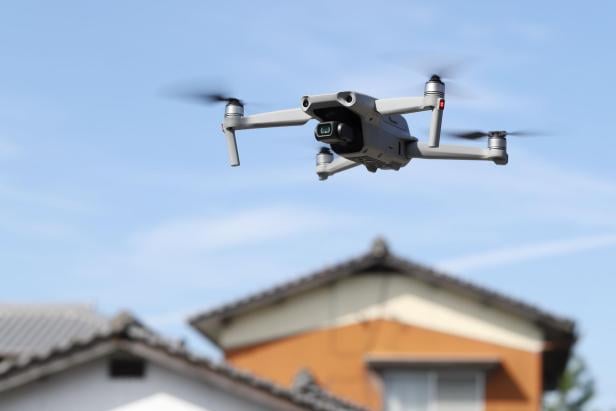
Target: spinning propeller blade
x,y
476,134
446,70
204,96
468,135
201,92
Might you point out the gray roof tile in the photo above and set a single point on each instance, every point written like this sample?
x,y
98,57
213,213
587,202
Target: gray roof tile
x,y
27,329
127,329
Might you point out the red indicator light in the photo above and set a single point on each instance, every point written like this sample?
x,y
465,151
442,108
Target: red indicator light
x,y
441,104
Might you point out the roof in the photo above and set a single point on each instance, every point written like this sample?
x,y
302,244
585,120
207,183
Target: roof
x,y
35,328
125,333
557,330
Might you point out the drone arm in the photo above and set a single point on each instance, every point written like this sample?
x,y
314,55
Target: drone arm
x,y
282,118
403,105
406,105
338,165
454,152
292,117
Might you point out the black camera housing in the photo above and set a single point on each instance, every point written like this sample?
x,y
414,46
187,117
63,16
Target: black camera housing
x,y
334,132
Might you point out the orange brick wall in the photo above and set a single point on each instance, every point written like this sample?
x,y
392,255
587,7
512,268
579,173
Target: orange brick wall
x,y
336,357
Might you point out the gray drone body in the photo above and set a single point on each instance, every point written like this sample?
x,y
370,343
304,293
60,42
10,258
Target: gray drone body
x,y
358,132
363,130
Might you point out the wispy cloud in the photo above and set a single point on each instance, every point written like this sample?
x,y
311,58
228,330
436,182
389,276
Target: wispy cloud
x,y
197,234
206,257
520,253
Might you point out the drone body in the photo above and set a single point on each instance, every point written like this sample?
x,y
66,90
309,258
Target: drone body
x,y
363,130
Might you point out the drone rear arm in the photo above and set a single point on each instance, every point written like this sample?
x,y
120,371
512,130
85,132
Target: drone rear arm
x,y
407,105
495,153
402,105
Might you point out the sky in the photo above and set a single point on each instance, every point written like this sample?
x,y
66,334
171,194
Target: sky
x,y
114,194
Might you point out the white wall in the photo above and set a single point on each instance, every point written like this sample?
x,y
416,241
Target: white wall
x,y
383,296
89,388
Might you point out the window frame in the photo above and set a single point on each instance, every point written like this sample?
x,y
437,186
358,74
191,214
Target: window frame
x,y
479,377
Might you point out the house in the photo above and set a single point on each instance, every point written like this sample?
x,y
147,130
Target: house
x,y
394,335
70,358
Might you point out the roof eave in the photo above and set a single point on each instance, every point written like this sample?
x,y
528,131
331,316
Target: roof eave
x,y
208,322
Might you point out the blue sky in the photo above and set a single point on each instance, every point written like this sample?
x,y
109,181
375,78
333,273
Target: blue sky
x,y
114,195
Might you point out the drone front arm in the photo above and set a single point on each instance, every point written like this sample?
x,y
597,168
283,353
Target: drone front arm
x,y
235,121
281,118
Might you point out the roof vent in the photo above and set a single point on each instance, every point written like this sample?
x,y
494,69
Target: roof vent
x,y
304,380
379,247
126,368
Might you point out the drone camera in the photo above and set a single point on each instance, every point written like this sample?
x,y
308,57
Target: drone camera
x,y
333,132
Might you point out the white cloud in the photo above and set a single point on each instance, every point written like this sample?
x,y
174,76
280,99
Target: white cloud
x,y
206,258
199,234
186,237
520,253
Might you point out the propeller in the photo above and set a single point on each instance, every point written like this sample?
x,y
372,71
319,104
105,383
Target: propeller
x,y
474,135
444,73
201,92
208,95
205,96
446,70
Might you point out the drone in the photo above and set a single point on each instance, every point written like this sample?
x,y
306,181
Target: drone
x,y
358,129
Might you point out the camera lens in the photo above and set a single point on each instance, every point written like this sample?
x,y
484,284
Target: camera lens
x,y
324,129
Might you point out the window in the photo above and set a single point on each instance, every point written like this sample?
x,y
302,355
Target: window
x,y
433,390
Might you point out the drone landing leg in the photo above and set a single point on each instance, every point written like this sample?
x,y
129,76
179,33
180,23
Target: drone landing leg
x,y
234,157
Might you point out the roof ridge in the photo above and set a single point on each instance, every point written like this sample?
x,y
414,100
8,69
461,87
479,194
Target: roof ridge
x,y
369,256
379,253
